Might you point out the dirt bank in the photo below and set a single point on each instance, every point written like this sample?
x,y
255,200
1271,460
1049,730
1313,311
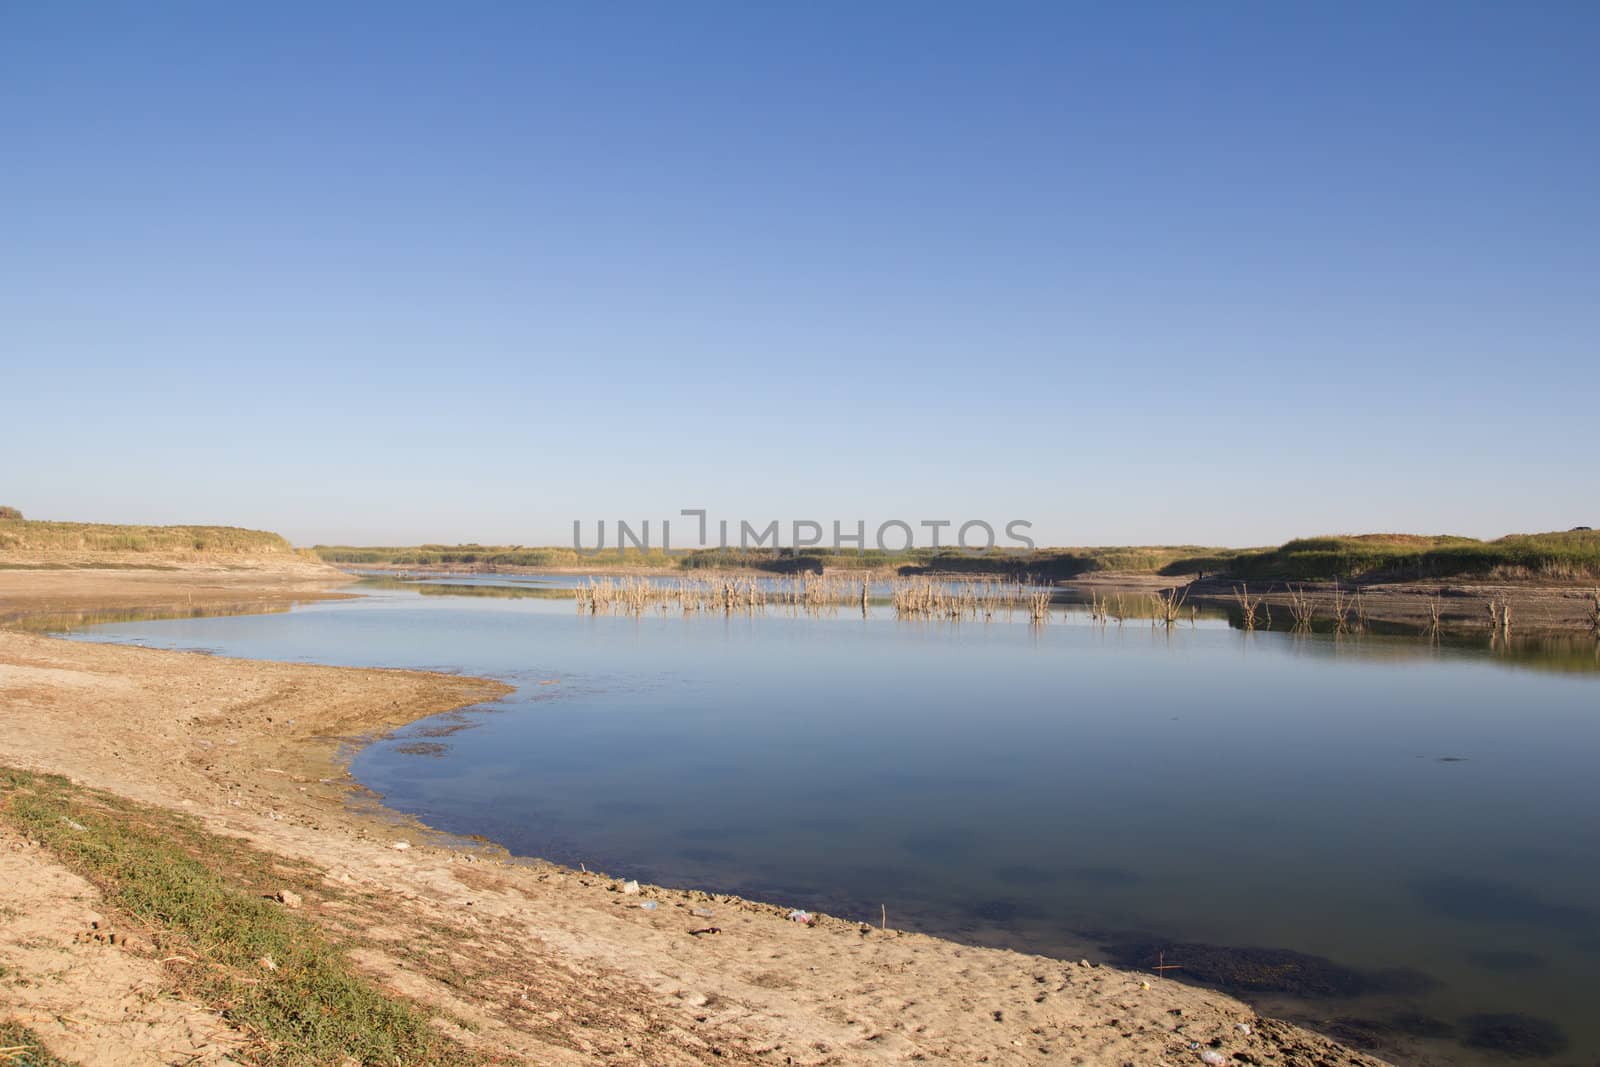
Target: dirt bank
x,y
542,964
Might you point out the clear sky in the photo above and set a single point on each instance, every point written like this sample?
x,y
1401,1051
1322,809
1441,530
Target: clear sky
x,y
1212,272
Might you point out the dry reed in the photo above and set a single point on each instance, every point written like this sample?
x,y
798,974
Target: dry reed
x,y
1247,605
909,597
1435,612
1300,607
1169,605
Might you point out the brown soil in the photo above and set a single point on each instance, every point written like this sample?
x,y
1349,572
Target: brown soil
x,y
549,965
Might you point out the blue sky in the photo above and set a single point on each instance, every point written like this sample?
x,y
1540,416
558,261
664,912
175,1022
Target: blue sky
x,y
1224,273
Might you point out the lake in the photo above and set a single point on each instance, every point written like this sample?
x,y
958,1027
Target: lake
x,y
1422,823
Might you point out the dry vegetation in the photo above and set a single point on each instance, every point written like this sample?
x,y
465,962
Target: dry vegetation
x,y
23,536
913,597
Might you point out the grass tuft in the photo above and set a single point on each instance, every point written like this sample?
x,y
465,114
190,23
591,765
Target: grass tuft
x,y
308,1006
21,1047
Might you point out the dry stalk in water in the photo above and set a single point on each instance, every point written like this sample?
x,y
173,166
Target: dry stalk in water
x,y
1169,604
1300,608
1499,619
1341,610
1247,605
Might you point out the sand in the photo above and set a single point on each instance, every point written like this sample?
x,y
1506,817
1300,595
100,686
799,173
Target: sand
x,y
549,965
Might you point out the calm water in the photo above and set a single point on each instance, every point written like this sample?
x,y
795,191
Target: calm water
x,y
1070,788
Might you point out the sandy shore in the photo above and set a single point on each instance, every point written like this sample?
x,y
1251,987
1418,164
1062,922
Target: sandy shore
x,y
548,965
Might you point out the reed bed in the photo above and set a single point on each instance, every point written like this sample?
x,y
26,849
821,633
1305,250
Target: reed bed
x,y
941,598
917,598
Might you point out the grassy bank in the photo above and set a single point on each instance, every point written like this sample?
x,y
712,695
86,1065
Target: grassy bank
x,y
1566,557
202,900
1050,562
28,535
1572,556
475,555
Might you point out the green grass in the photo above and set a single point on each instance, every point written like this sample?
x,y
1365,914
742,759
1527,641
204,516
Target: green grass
x,y
1566,556
26,535
200,897
21,1047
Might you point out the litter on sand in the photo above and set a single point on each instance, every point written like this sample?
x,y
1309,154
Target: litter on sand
x,y
804,918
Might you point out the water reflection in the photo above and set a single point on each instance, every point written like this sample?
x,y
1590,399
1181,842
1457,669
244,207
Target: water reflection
x,y
66,622
1387,837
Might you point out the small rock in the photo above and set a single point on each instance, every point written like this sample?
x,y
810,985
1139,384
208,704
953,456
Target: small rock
x,y
288,898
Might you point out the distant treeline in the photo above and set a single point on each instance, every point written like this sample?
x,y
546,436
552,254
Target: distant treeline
x,y
1573,555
